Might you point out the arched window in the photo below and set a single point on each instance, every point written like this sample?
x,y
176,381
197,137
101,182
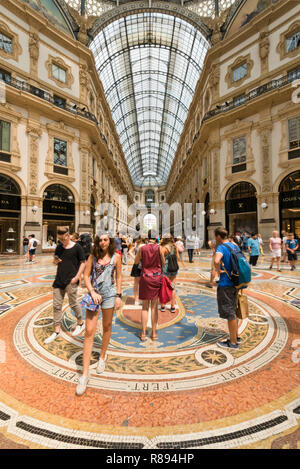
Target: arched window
x,y
241,190
8,186
149,197
59,193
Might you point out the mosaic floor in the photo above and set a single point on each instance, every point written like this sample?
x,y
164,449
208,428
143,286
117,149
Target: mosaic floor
x,y
181,391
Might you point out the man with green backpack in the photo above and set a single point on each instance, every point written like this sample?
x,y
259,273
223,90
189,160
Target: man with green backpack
x,y
235,273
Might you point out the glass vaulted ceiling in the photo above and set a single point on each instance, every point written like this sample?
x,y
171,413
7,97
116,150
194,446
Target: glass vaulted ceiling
x,y
149,64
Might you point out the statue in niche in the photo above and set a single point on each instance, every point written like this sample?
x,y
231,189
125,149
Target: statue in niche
x,y
34,46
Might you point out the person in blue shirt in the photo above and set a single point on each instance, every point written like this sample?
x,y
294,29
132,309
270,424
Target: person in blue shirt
x,y
291,247
226,292
254,249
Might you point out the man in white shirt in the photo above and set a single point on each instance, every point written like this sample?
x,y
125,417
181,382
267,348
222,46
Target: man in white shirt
x,y
190,246
33,243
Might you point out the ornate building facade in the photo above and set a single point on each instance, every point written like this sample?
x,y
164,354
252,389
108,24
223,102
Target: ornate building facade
x,y
239,150
60,155
87,113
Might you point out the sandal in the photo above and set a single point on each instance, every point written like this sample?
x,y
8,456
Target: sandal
x,y
143,337
173,310
163,309
154,337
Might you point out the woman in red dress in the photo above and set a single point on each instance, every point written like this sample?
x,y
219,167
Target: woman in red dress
x,y
152,260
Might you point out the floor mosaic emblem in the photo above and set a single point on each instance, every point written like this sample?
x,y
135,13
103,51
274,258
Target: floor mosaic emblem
x,y
181,391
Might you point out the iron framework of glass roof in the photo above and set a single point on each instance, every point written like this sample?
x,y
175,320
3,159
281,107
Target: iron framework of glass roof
x,y
149,64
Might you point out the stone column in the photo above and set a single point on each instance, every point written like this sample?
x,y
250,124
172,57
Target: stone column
x,y
267,218
34,220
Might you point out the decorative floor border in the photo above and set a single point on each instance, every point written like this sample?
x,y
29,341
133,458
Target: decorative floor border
x,y
32,430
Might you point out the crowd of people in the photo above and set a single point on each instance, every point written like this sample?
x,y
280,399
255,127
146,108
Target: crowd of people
x,y
156,263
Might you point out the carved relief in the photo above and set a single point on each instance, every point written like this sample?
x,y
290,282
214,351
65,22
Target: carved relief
x,y
265,141
34,44
34,133
264,48
214,81
84,22
83,81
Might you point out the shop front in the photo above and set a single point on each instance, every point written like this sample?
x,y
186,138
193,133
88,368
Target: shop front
x,y
10,212
58,212
241,208
289,204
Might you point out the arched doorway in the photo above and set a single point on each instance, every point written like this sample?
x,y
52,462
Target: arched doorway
x,y
10,212
58,211
149,222
241,208
289,203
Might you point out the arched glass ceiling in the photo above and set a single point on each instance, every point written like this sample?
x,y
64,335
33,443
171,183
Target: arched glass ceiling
x,y
149,64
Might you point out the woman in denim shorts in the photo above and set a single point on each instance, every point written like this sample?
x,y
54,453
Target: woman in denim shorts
x,y
105,268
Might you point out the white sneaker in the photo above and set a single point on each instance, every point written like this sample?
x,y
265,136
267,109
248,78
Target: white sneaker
x,y
100,366
78,329
82,384
51,338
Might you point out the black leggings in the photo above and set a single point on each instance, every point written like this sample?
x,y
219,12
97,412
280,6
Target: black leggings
x,y
253,260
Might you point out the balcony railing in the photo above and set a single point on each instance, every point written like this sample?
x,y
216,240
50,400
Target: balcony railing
x,y
243,99
259,91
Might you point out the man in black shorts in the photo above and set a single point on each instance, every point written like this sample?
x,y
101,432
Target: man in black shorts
x,y
226,292
291,248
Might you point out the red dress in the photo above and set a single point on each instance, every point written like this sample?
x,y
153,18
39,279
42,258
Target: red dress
x,y
151,277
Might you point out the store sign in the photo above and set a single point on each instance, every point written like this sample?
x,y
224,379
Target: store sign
x,y
57,207
248,204
290,199
10,202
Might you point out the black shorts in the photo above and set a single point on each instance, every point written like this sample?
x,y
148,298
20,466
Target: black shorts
x,y
32,252
292,256
226,297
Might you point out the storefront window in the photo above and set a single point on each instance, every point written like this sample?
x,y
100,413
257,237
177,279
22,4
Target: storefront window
x,y
241,208
10,208
58,212
289,203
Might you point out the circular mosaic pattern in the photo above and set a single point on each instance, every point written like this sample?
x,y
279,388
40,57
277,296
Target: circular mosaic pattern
x,y
185,355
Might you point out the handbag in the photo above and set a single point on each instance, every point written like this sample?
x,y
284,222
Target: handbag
x,y
242,310
165,292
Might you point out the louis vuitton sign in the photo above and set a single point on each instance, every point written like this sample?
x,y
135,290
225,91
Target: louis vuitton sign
x,y
290,199
248,204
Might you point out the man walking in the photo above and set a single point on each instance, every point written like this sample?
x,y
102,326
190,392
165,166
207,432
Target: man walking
x,y
226,292
254,249
32,245
291,248
70,261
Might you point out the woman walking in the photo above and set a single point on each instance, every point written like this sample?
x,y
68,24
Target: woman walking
x,y
124,247
105,268
136,268
275,248
152,261
170,269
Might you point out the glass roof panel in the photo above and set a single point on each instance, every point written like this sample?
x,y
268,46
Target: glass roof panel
x,y
149,64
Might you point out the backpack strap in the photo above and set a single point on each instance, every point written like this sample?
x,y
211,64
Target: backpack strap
x,y
229,249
